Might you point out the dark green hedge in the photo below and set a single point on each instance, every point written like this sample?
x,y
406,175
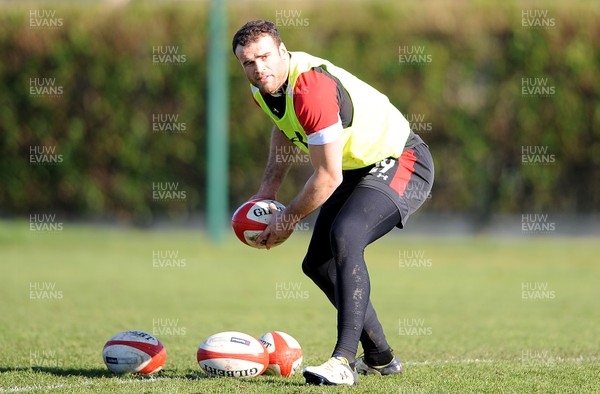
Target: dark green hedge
x,y
115,68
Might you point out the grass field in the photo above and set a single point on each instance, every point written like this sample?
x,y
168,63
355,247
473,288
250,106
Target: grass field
x,y
472,315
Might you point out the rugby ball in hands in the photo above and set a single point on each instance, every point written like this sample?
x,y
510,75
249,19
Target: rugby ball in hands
x,y
134,352
285,353
251,219
233,354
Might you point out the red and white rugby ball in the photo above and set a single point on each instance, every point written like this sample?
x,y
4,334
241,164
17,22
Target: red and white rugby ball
x,y
134,352
251,219
233,354
285,353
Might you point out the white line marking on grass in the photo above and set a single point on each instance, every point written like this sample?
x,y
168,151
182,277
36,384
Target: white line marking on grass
x,y
26,389
575,360
31,388
437,362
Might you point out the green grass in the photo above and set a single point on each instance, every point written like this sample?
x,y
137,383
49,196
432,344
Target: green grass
x,y
476,332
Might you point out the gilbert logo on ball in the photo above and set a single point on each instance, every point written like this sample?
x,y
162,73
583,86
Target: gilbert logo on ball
x,y
134,352
285,353
251,219
232,354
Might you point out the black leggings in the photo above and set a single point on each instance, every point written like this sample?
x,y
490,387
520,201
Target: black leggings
x,y
352,218
368,204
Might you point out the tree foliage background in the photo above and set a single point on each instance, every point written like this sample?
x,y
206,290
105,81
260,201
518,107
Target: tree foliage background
x,y
506,95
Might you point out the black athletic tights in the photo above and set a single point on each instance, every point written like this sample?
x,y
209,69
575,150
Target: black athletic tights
x,y
352,218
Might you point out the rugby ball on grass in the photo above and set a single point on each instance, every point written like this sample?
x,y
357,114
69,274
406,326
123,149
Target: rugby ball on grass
x,y
251,219
233,354
285,353
134,352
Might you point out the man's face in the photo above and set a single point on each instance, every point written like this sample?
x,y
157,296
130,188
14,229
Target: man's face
x,y
265,63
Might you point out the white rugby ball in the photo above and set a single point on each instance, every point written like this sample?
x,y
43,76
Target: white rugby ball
x,y
232,354
134,352
285,353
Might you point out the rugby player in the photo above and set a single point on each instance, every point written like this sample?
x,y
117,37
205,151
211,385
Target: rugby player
x,y
367,165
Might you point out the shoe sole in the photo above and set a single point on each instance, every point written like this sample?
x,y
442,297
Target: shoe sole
x,y
318,380
369,372
375,372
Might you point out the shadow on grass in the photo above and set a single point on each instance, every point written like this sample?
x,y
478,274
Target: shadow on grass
x,y
276,381
88,373
103,373
189,375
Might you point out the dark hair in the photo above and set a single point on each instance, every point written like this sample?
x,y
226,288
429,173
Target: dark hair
x,y
252,31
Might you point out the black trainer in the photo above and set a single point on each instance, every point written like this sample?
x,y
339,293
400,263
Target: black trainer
x,y
393,368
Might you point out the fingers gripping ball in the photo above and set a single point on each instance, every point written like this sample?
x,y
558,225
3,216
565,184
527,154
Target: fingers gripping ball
x,y
251,219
